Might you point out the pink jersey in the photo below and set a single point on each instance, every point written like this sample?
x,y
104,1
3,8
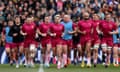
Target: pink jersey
x,y
58,29
30,29
85,25
95,26
45,28
107,27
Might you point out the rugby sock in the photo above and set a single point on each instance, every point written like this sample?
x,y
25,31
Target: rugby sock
x,y
88,61
117,62
65,58
48,58
95,61
114,60
80,59
104,57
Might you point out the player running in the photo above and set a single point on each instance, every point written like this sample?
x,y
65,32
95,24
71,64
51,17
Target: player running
x,y
85,30
67,38
75,39
29,31
57,30
9,41
116,42
44,31
96,39
17,39
107,27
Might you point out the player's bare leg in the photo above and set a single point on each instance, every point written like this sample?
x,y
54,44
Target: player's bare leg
x,y
9,54
21,52
115,56
80,54
75,56
88,51
59,55
47,55
65,52
54,55
16,56
43,54
108,56
32,54
83,52
26,51
104,53
95,53
69,55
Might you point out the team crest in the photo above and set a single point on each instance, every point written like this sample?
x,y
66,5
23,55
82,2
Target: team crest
x,y
97,23
110,25
32,26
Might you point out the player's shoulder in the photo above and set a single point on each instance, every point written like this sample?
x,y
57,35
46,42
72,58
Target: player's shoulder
x,y
102,21
42,23
112,22
80,21
62,22
51,24
24,24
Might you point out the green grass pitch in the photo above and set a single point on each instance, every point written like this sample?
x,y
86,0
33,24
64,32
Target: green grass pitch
x,y
70,68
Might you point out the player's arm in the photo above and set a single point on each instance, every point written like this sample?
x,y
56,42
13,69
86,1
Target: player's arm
x,y
63,29
40,33
51,33
71,32
12,32
99,29
22,32
3,35
79,31
115,30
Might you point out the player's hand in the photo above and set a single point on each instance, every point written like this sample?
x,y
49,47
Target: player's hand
x,y
69,32
110,33
24,34
53,34
84,32
15,34
43,35
62,34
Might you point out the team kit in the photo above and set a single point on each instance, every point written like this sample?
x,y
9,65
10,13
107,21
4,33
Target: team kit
x,y
84,36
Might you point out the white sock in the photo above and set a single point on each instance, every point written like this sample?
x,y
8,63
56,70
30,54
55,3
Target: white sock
x,y
114,61
88,61
117,61
80,59
95,61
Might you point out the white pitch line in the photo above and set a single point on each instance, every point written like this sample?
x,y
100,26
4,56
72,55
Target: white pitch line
x,y
41,68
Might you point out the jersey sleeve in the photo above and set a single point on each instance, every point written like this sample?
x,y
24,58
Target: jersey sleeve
x,y
79,24
114,26
23,28
11,32
63,29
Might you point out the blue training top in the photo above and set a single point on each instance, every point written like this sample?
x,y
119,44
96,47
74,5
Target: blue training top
x,y
115,39
8,38
68,26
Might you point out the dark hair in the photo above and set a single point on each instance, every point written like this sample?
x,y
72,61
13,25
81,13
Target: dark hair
x,y
47,15
10,20
29,16
108,14
17,16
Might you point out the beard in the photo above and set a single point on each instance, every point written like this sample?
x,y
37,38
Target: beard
x,y
86,18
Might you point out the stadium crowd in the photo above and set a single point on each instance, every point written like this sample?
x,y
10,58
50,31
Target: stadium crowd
x,y
60,25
